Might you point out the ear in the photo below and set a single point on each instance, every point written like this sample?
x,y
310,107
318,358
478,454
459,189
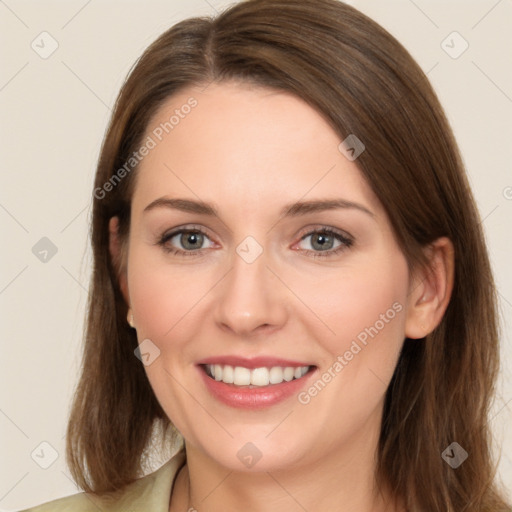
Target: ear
x,y
430,290
118,259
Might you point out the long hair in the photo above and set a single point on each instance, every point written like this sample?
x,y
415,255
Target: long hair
x,y
363,81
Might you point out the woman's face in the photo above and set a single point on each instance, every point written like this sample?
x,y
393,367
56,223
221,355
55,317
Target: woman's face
x,y
252,278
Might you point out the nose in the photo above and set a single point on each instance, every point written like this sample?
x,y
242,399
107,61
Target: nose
x,y
250,299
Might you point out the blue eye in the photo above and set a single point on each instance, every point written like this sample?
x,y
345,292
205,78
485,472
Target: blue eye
x,y
323,242
186,242
326,242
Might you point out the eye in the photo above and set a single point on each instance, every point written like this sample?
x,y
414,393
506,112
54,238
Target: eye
x,y
325,242
191,241
186,242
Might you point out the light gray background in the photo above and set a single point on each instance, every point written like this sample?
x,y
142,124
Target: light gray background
x,y
53,115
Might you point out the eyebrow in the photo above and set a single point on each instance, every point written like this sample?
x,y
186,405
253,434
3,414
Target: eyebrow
x,y
291,210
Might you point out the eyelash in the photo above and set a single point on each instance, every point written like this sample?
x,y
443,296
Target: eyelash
x,y
345,240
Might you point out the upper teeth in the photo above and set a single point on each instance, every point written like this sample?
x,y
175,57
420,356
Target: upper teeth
x,y
241,376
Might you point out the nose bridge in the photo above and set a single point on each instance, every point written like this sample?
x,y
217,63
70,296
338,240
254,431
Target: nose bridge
x,y
250,294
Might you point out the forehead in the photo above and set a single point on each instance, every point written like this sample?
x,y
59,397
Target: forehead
x,y
244,144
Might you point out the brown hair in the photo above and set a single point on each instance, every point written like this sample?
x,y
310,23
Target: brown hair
x,y
365,83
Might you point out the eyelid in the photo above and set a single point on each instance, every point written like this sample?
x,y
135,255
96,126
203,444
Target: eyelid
x,y
320,228
184,228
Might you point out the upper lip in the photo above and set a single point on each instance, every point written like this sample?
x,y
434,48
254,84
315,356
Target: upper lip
x,y
252,362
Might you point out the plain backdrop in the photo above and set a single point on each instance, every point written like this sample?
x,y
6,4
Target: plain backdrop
x,y
54,110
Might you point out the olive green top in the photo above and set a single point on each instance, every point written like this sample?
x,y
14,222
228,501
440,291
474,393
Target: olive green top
x,y
151,493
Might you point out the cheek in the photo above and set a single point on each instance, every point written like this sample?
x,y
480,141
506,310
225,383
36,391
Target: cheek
x,y
363,310
167,310
162,296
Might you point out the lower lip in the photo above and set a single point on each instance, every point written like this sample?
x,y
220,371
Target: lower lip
x,y
256,397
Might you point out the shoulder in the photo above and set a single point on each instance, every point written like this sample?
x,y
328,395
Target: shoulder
x,y
151,492
77,502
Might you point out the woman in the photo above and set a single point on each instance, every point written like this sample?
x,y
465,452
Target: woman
x,y
289,275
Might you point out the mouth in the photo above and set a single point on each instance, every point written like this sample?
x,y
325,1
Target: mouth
x,y
241,376
254,383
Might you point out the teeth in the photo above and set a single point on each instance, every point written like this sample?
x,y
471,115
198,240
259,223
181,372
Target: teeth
x,y
259,377
288,373
276,375
228,374
241,376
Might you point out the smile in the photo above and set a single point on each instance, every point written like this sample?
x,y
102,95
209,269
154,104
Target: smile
x,y
255,377
254,382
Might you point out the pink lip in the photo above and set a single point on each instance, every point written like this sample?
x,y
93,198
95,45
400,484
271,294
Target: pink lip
x,y
254,398
253,362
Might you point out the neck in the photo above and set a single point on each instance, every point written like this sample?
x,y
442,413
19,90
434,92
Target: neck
x,y
341,479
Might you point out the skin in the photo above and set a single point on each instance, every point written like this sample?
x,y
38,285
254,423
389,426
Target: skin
x,y
250,151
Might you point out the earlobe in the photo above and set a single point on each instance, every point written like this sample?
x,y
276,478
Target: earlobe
x,y
430,291
115,249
